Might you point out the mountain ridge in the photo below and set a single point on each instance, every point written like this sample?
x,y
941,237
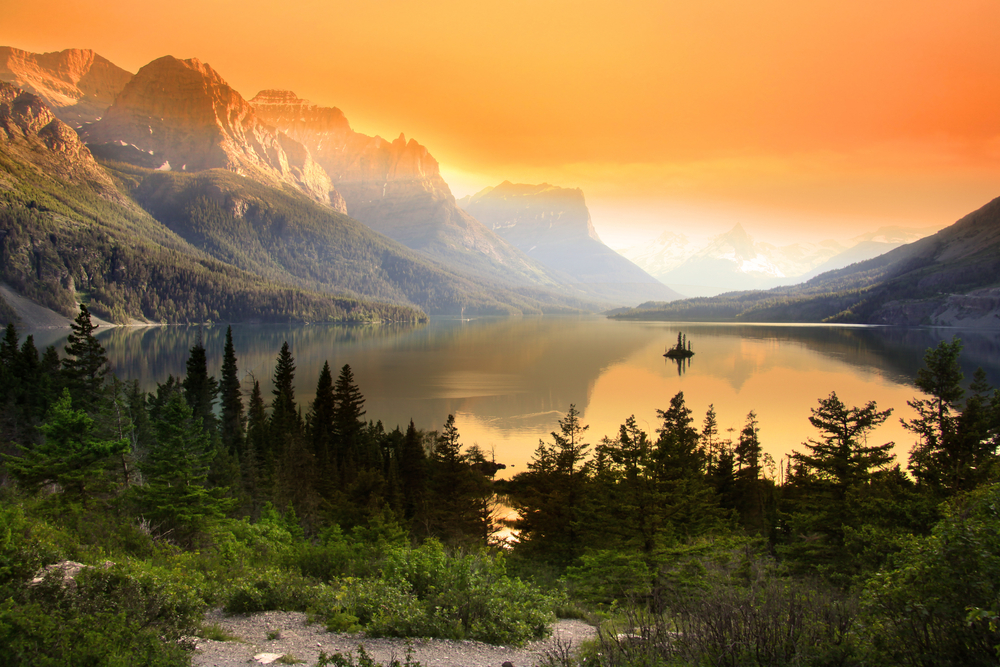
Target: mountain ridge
x,y
951,278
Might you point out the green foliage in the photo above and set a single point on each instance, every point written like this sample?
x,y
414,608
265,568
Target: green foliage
x,y
362,660
427,592
917,612
270,589
71,455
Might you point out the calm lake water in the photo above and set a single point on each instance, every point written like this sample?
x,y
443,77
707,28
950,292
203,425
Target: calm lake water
x,y
509,381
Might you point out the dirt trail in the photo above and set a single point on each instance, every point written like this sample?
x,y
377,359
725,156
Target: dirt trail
x,y
304,642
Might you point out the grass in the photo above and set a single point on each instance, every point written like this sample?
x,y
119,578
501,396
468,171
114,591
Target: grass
x,y
215,632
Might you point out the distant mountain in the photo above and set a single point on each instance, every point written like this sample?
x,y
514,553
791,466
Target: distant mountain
x,y
77,84
396,188
737,261
181,115
951,278
552,225
67,233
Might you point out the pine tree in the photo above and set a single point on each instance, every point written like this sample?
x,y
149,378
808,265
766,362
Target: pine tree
x,y
932,459
86,364
258,469
412,469
321,430
284,414
453,514
842,456
201,389
176,497
70,455
231,425
348,424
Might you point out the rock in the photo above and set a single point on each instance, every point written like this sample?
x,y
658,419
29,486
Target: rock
x,y
30,131
181,115
267,658
77,84
67,571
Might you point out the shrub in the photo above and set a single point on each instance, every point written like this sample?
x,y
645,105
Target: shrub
x,y
268,590
426,592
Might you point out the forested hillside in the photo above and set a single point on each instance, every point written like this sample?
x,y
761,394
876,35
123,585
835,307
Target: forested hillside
x,y
693,545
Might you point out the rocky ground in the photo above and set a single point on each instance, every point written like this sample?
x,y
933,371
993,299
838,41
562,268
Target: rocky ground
x,y
263,638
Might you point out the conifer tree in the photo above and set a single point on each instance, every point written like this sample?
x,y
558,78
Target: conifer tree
x,y
231,427
321,430
257,472
842,457
86,364
412,469
933,456
70,455
453,514
201,389
176,497
284,414
348,424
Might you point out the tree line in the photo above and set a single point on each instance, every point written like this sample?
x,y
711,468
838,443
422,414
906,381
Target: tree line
x,y
653,519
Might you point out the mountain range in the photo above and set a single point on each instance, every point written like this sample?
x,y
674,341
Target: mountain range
x,y
736,261
259,189
951,278
552,225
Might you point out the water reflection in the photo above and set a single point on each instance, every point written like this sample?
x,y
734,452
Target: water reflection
x,y
508,381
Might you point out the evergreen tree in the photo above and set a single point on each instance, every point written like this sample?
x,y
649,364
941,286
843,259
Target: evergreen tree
x,y
412,469
321,430
86,364
938,460
176,497
453,513
842,456
257,477
231,427
201,389
70,455
348,424
284,414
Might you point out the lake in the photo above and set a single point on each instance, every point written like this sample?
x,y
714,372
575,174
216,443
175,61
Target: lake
x,y
509,381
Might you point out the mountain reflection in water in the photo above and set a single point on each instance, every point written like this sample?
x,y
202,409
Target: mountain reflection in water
x,y
509,381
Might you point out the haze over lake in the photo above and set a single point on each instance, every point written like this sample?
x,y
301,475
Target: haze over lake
x,y
509,381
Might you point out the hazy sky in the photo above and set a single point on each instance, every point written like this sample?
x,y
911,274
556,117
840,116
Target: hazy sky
x,y
800,120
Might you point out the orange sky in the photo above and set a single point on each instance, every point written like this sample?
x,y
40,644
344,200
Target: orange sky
x,y
802,120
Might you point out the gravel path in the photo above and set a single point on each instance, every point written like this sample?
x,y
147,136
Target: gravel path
x,y
304,642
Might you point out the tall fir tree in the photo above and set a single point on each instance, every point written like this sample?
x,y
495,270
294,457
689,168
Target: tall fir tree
x,y
176,497
231,427
86,365
201,389
320,428
70,455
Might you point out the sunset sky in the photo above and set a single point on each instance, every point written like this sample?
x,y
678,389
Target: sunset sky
x,y
800,120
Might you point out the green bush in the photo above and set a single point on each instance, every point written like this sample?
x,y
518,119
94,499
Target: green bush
x,y
427,592
268,590
114,616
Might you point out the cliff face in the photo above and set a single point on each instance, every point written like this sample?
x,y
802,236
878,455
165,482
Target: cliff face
x,y
181,115
30,132
78,84
553,226
396,188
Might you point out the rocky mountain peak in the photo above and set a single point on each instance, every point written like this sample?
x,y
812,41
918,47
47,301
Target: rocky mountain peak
x,y
78,84
543,206
182,115
300,118
30,131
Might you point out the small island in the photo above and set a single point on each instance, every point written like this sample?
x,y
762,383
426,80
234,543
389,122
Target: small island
x,y
682,350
